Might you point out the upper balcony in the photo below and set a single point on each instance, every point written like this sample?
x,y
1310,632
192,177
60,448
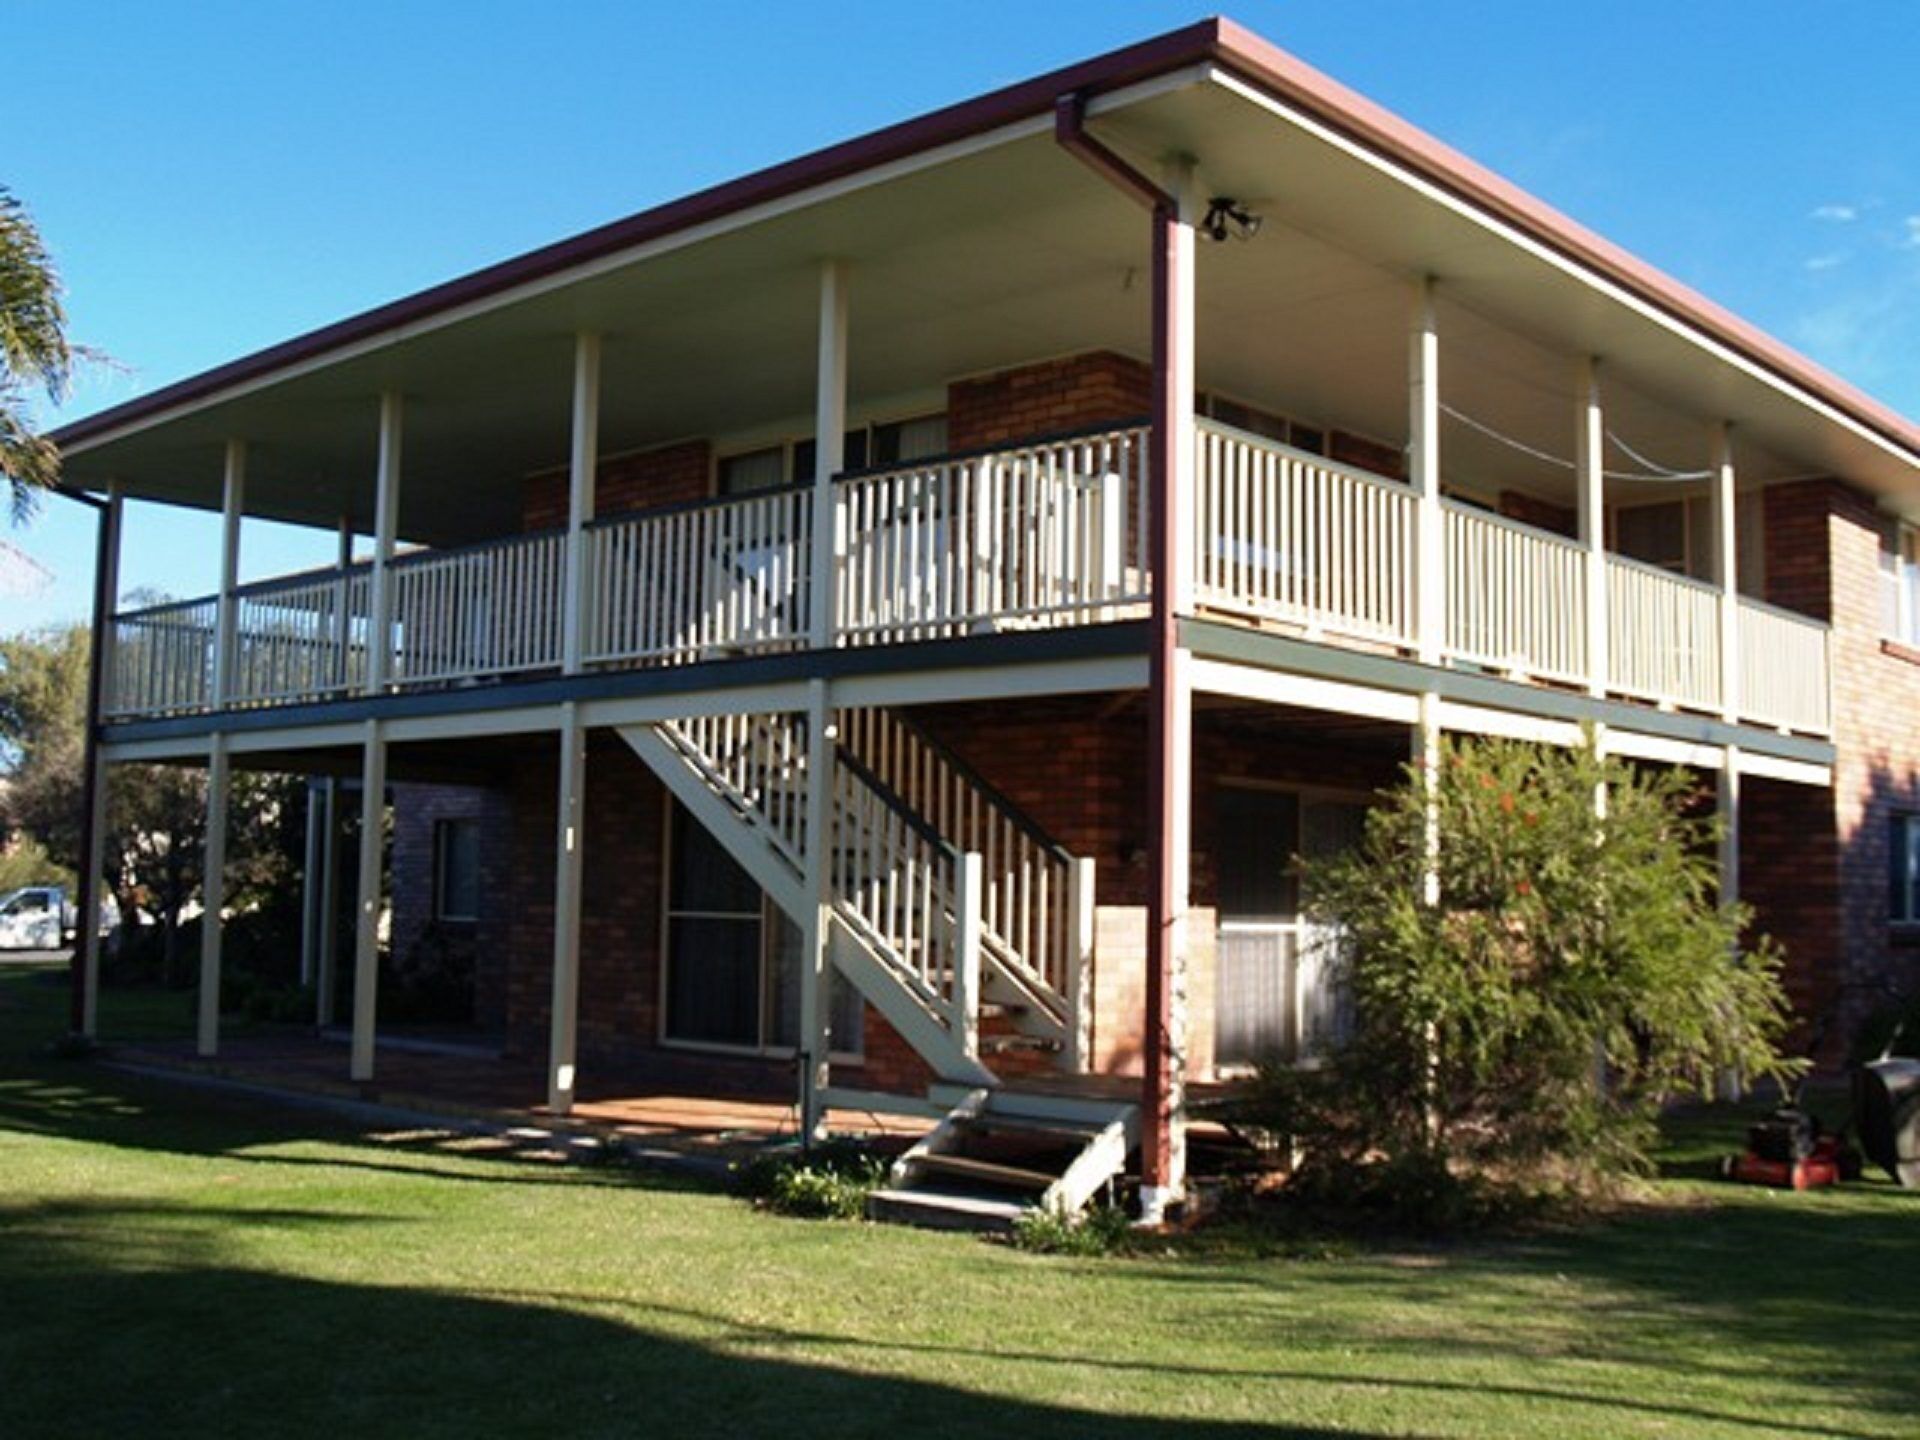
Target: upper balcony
x,y
1508,450
1043,535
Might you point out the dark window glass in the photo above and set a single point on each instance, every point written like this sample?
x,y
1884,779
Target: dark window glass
x,y
1256,832
457,861
706,879
713,982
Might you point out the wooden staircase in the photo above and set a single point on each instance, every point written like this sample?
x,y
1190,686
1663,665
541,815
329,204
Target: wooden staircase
x,y
1001,1154
952,913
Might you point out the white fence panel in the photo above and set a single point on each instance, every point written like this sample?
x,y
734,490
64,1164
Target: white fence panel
x,y
1516,595
1291,535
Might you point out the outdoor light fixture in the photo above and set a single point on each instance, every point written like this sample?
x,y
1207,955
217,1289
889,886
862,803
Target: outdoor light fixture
x,y
1227,216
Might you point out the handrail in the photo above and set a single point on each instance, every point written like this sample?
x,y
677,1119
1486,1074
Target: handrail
x,y
886,795
1019,818
1506,522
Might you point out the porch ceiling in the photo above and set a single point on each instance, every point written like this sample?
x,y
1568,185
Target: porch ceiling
x,y
1007,252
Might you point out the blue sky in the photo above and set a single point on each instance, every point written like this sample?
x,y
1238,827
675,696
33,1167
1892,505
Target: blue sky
x,y
213,178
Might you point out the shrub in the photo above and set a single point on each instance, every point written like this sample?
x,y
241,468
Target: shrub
x,y
830,1181
1520,1029
1102,1230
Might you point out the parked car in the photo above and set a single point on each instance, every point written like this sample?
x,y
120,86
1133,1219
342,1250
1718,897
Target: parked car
x,y
35,917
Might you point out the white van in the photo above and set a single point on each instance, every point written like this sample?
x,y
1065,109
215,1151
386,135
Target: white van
x,y
35,917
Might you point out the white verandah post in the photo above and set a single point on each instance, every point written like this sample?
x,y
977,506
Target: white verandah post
x,y
1589,456
1423,472
582,463
213,892
366,952
386,523
569,861
829,438
1726,571
226,643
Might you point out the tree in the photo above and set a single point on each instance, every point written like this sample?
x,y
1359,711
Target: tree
x,y
35,354
1575,972
156,814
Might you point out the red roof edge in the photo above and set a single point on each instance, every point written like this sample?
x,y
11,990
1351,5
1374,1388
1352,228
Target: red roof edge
x,y
1215,39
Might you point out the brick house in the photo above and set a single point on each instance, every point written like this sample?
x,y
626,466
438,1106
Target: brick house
x,y
897,618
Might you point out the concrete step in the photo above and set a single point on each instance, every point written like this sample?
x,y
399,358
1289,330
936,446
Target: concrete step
x,y
944,1210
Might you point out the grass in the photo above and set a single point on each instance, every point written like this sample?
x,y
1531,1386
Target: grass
x,y
176,1263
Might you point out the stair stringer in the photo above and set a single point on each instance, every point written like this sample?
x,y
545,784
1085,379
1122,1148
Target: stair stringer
x,y
736,831
916,1021
872,974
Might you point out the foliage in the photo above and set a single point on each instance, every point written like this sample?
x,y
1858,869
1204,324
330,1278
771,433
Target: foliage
x,y
156,814
430,980
28,863
35,354
830,1181
1103,1230
1521,1030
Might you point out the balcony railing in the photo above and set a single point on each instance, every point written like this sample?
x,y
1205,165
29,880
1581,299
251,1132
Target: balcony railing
x,y
1049,534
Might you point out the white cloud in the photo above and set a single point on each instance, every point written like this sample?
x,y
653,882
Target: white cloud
x,y
1837,214
1910,236
1829,261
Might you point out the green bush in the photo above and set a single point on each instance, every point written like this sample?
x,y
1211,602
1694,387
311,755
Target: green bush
x,y
831,1181
1102,1230
1518,1029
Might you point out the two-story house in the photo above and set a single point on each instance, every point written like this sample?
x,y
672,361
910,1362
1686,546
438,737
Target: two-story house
x,y
907,610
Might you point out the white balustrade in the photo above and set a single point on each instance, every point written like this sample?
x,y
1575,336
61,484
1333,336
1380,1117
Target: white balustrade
x,y
1516,595
163,659
1040,535
896,879
1026,878
480,610
1784,668
702,581
758,760
1292,536
300,638
1663,635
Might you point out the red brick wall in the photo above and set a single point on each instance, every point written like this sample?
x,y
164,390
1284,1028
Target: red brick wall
x,y
1077,391
626,482
1815,862
416,811
1530,510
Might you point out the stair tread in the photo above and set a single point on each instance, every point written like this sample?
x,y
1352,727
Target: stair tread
x,y
977,1169
931,1199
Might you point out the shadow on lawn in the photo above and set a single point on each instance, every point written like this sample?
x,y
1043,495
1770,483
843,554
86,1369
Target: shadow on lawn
x,y
131,1319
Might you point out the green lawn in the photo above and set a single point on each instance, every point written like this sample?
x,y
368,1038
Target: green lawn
x,y
172,1264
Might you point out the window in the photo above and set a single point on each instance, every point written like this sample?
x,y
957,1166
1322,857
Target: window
x,y
733,961
1903,870
456,870
1273,995
896,442
1676,535
1900,583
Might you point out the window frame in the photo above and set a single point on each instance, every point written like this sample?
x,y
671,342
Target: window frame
x,y
1900,580
443,828
770,920
1903,869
